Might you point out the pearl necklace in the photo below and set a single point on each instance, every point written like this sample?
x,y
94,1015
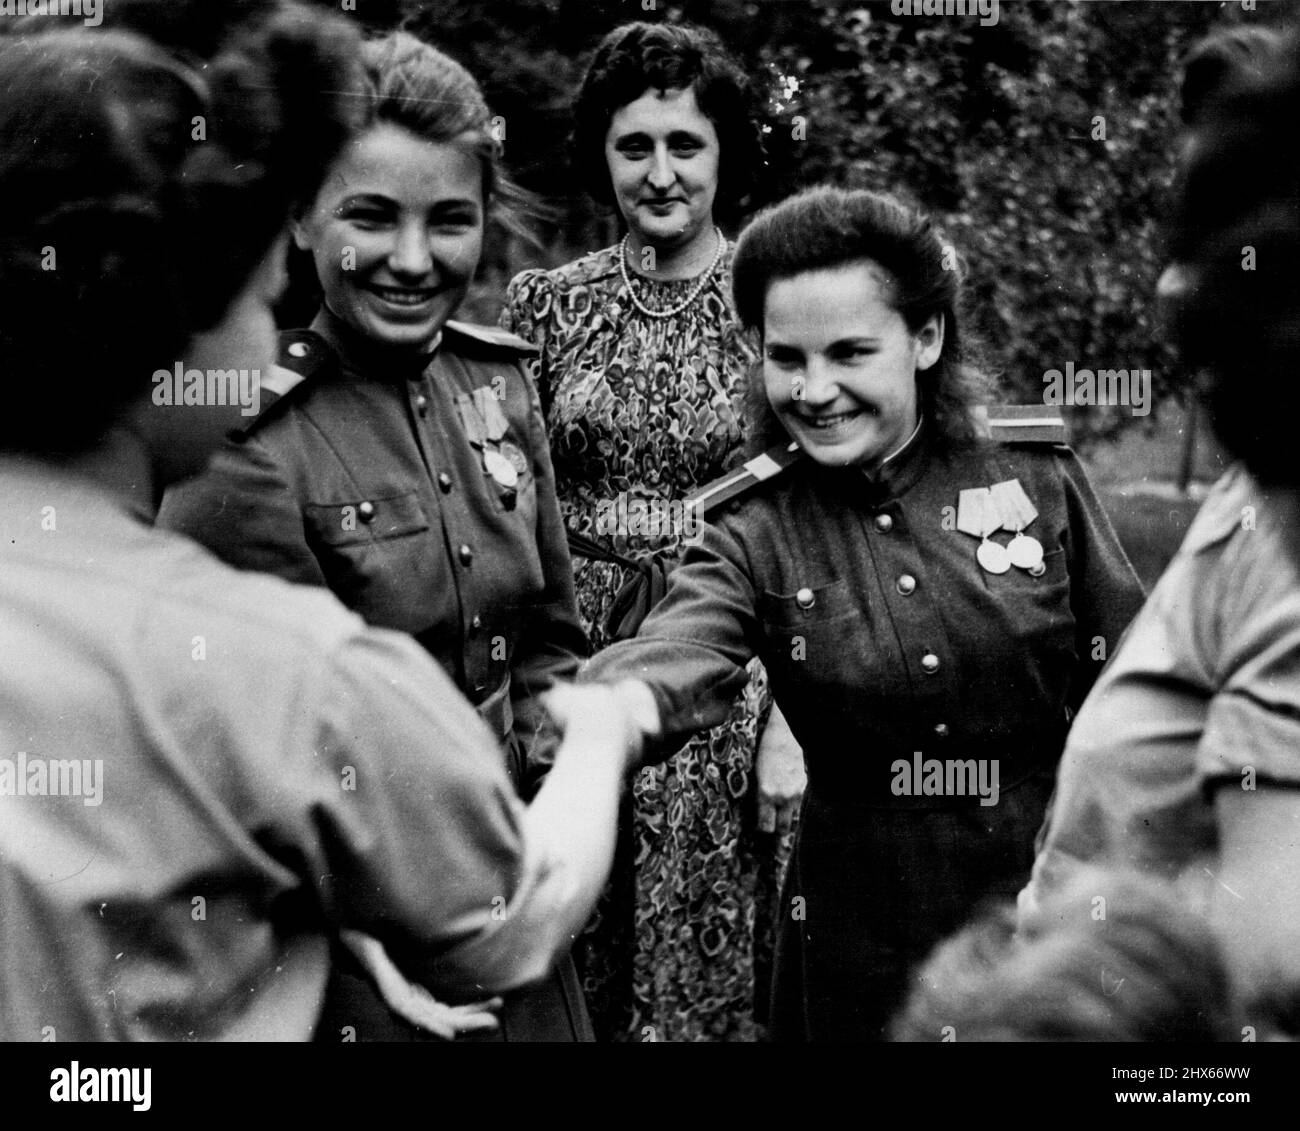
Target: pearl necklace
x,y
690,298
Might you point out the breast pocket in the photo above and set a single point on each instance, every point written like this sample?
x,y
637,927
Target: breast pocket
x,y
379,556
812,632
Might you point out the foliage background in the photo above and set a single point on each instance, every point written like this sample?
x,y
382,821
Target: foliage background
x,y
1044,143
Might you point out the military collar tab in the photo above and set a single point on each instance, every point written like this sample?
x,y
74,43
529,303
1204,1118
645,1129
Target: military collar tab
x,y
884,471
470,335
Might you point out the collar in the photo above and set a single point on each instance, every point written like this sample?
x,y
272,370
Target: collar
x,y
363,356
902,467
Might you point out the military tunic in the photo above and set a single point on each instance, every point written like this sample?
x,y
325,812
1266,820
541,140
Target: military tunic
x,y
420,491
886,642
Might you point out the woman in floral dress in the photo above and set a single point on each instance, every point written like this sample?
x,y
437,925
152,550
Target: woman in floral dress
x,y
642,372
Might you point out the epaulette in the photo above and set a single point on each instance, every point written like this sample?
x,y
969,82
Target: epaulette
x,y
748,475
491,336
1021,424
303,354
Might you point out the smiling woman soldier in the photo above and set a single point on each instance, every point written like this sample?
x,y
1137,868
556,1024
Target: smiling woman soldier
x,y
406,468
911,585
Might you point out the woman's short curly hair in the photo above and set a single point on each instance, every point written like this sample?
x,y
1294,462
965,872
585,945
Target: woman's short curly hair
x,y
826,228
637,57
1235,238
144,178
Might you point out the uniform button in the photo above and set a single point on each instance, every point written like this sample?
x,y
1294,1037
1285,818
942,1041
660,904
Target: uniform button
x,y
805,598
1038,570
476,621
941,730
884,523
465,554
366,511
298,349
906,584
422,404
929,663
444,482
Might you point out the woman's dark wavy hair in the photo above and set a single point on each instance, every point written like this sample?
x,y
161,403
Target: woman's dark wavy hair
x,y
637,57
143,180
1149,970
826,228
1239,189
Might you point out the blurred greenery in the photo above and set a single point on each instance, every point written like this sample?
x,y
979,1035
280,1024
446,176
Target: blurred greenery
x,y
1043,143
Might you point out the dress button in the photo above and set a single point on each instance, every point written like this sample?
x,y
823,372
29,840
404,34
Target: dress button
x,y
884,523
366,511
422,404
906,584
805,598
444,482
941,730
929,663
465,554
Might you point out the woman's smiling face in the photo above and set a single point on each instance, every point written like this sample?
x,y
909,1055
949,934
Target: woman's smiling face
x,y
396,232
840,364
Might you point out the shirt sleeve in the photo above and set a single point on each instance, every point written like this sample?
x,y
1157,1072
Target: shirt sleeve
x,y
1251,617
1105,592
693,647
553,644
405,822
245,511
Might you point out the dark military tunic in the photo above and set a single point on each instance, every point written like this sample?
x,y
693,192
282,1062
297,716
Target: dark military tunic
x,y
884,639
420,491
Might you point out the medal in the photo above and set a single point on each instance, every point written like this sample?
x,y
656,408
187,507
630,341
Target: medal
x,y
992,557
500,468
1025,552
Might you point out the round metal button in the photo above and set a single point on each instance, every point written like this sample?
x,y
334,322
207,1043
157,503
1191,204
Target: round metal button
x,y
422,404
476,621
805,598
465,554
906,584
884,523
1038,570
929,663
366,512
444,482
941,730
298,349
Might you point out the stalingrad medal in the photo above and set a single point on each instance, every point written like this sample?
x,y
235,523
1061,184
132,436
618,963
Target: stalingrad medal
x,y
500,468
1015,512
978,517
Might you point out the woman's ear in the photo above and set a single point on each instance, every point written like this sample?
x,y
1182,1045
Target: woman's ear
x,y
929,342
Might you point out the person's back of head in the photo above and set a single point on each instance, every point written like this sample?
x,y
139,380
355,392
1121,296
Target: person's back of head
x,y
1116,957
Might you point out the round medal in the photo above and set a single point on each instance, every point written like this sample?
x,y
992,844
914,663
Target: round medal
x,y
992,557
1025,552
500,468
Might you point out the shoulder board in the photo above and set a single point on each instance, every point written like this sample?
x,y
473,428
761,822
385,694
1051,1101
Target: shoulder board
x,y
747,476
303,354
1021,424
469,333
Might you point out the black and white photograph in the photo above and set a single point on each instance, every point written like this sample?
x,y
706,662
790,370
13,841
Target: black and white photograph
x,y
629,522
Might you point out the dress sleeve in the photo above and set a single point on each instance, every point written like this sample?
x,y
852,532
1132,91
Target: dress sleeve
x,y
553,644
526,314
693,647
244,510
1105,592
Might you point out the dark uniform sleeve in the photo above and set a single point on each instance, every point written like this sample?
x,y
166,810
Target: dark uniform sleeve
x,y
693,647
553,644
1105,593
243,509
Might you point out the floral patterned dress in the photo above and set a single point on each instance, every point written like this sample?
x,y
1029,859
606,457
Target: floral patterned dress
x,y
640,411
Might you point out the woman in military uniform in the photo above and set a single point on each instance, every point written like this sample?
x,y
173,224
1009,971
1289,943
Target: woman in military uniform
x,y
932,596
403,462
